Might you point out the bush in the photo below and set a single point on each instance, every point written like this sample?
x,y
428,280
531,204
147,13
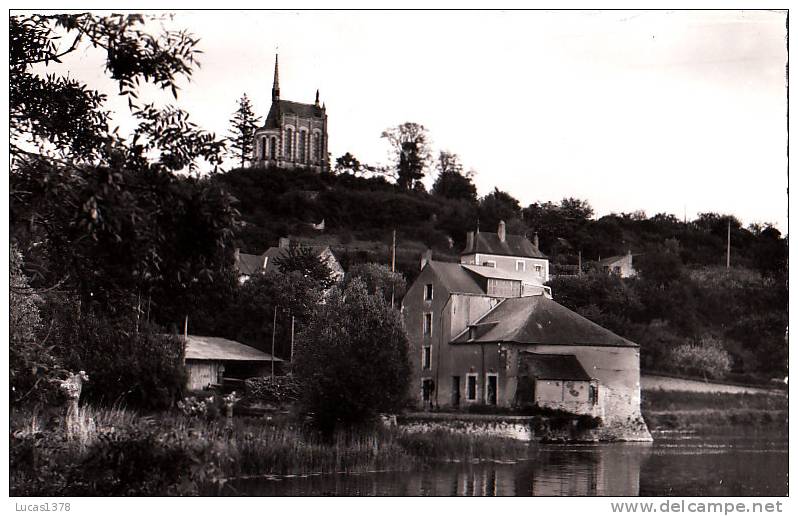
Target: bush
x,y
706,357
271,389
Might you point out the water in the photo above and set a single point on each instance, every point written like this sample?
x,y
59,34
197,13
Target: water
x,y
677,465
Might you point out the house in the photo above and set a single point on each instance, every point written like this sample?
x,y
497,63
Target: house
x,y
210,360
480,334
618,265
249,264
293,135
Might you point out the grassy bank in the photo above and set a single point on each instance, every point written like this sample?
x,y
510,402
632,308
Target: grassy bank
x,y
699,411
118,452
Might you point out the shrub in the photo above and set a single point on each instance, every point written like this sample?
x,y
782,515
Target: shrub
x,y
706,357
271,389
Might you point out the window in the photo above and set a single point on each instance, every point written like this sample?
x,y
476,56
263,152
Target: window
x,y
427,387
302,146
273,148
428,292
263,148
520,265
471,387
316,147
427,324
289,143
489,263
593,394
491,388
539,270
426,358
616,270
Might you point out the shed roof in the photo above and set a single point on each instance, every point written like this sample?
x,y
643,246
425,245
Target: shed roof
x,y
552,367
513,245
217,348
455,278
249,263
540,320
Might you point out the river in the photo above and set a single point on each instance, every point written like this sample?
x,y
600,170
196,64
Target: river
x,y
753,464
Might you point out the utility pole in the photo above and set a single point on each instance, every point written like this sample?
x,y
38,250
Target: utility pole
x,y
579,272
291,358
274,329
393,267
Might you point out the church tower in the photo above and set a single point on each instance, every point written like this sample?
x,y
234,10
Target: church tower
x,y
294,134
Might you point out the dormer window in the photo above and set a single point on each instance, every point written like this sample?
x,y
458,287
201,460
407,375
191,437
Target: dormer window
x,y
428,292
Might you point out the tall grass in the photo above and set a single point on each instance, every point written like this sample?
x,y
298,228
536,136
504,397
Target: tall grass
x,y
107,441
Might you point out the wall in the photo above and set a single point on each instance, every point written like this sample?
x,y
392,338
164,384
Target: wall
x,y
507,263
201,373
570,396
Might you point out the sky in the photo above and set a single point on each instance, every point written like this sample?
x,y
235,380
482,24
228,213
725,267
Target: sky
x,y
679,112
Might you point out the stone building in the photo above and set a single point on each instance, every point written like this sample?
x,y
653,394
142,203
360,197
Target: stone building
x,y
482,334
619,265
293,135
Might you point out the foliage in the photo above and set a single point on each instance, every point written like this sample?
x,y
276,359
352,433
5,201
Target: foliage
x,y
706,357
138,367
352,359
304,260
451,181
410,144
243,126
271,389
379,280
496,206
32,365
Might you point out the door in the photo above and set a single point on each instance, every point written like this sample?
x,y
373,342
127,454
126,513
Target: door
x,y
491,396
455,391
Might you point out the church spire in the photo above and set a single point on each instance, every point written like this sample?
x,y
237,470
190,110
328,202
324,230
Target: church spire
x,y
276,85
317,98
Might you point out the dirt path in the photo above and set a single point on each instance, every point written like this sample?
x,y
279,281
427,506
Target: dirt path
x,y
666,383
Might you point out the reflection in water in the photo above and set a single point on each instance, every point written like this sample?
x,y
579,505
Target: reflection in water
x,y
676,466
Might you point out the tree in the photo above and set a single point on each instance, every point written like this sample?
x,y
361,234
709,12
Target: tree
x,y
410,143
451,182
379,280
496,206
347,164
244,123
352,359
304,260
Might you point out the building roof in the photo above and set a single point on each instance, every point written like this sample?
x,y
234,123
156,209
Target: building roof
x,y
455,278
553,367
217,348
540,320
249,264
495,273
513,245
612,259
288,107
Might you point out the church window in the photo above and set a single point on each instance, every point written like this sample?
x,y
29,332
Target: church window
x,y
289,143
301,146
263,148
316,147
273,148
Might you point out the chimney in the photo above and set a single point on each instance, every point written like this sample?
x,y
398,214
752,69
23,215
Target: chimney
x,y
284,243
502,232
470,242
426,258
536,241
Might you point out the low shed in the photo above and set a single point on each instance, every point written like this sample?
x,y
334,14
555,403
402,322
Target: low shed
x,y
210,359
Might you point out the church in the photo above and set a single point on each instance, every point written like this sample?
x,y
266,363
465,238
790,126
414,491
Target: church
x,y
294,134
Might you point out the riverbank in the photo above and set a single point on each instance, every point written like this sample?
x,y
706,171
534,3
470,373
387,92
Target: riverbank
x,y
709,411
115,452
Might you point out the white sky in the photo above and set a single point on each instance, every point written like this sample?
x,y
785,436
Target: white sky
x,y
659,111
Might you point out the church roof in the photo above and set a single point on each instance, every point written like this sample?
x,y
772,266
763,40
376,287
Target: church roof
x,y
513,245
289,107
540,320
